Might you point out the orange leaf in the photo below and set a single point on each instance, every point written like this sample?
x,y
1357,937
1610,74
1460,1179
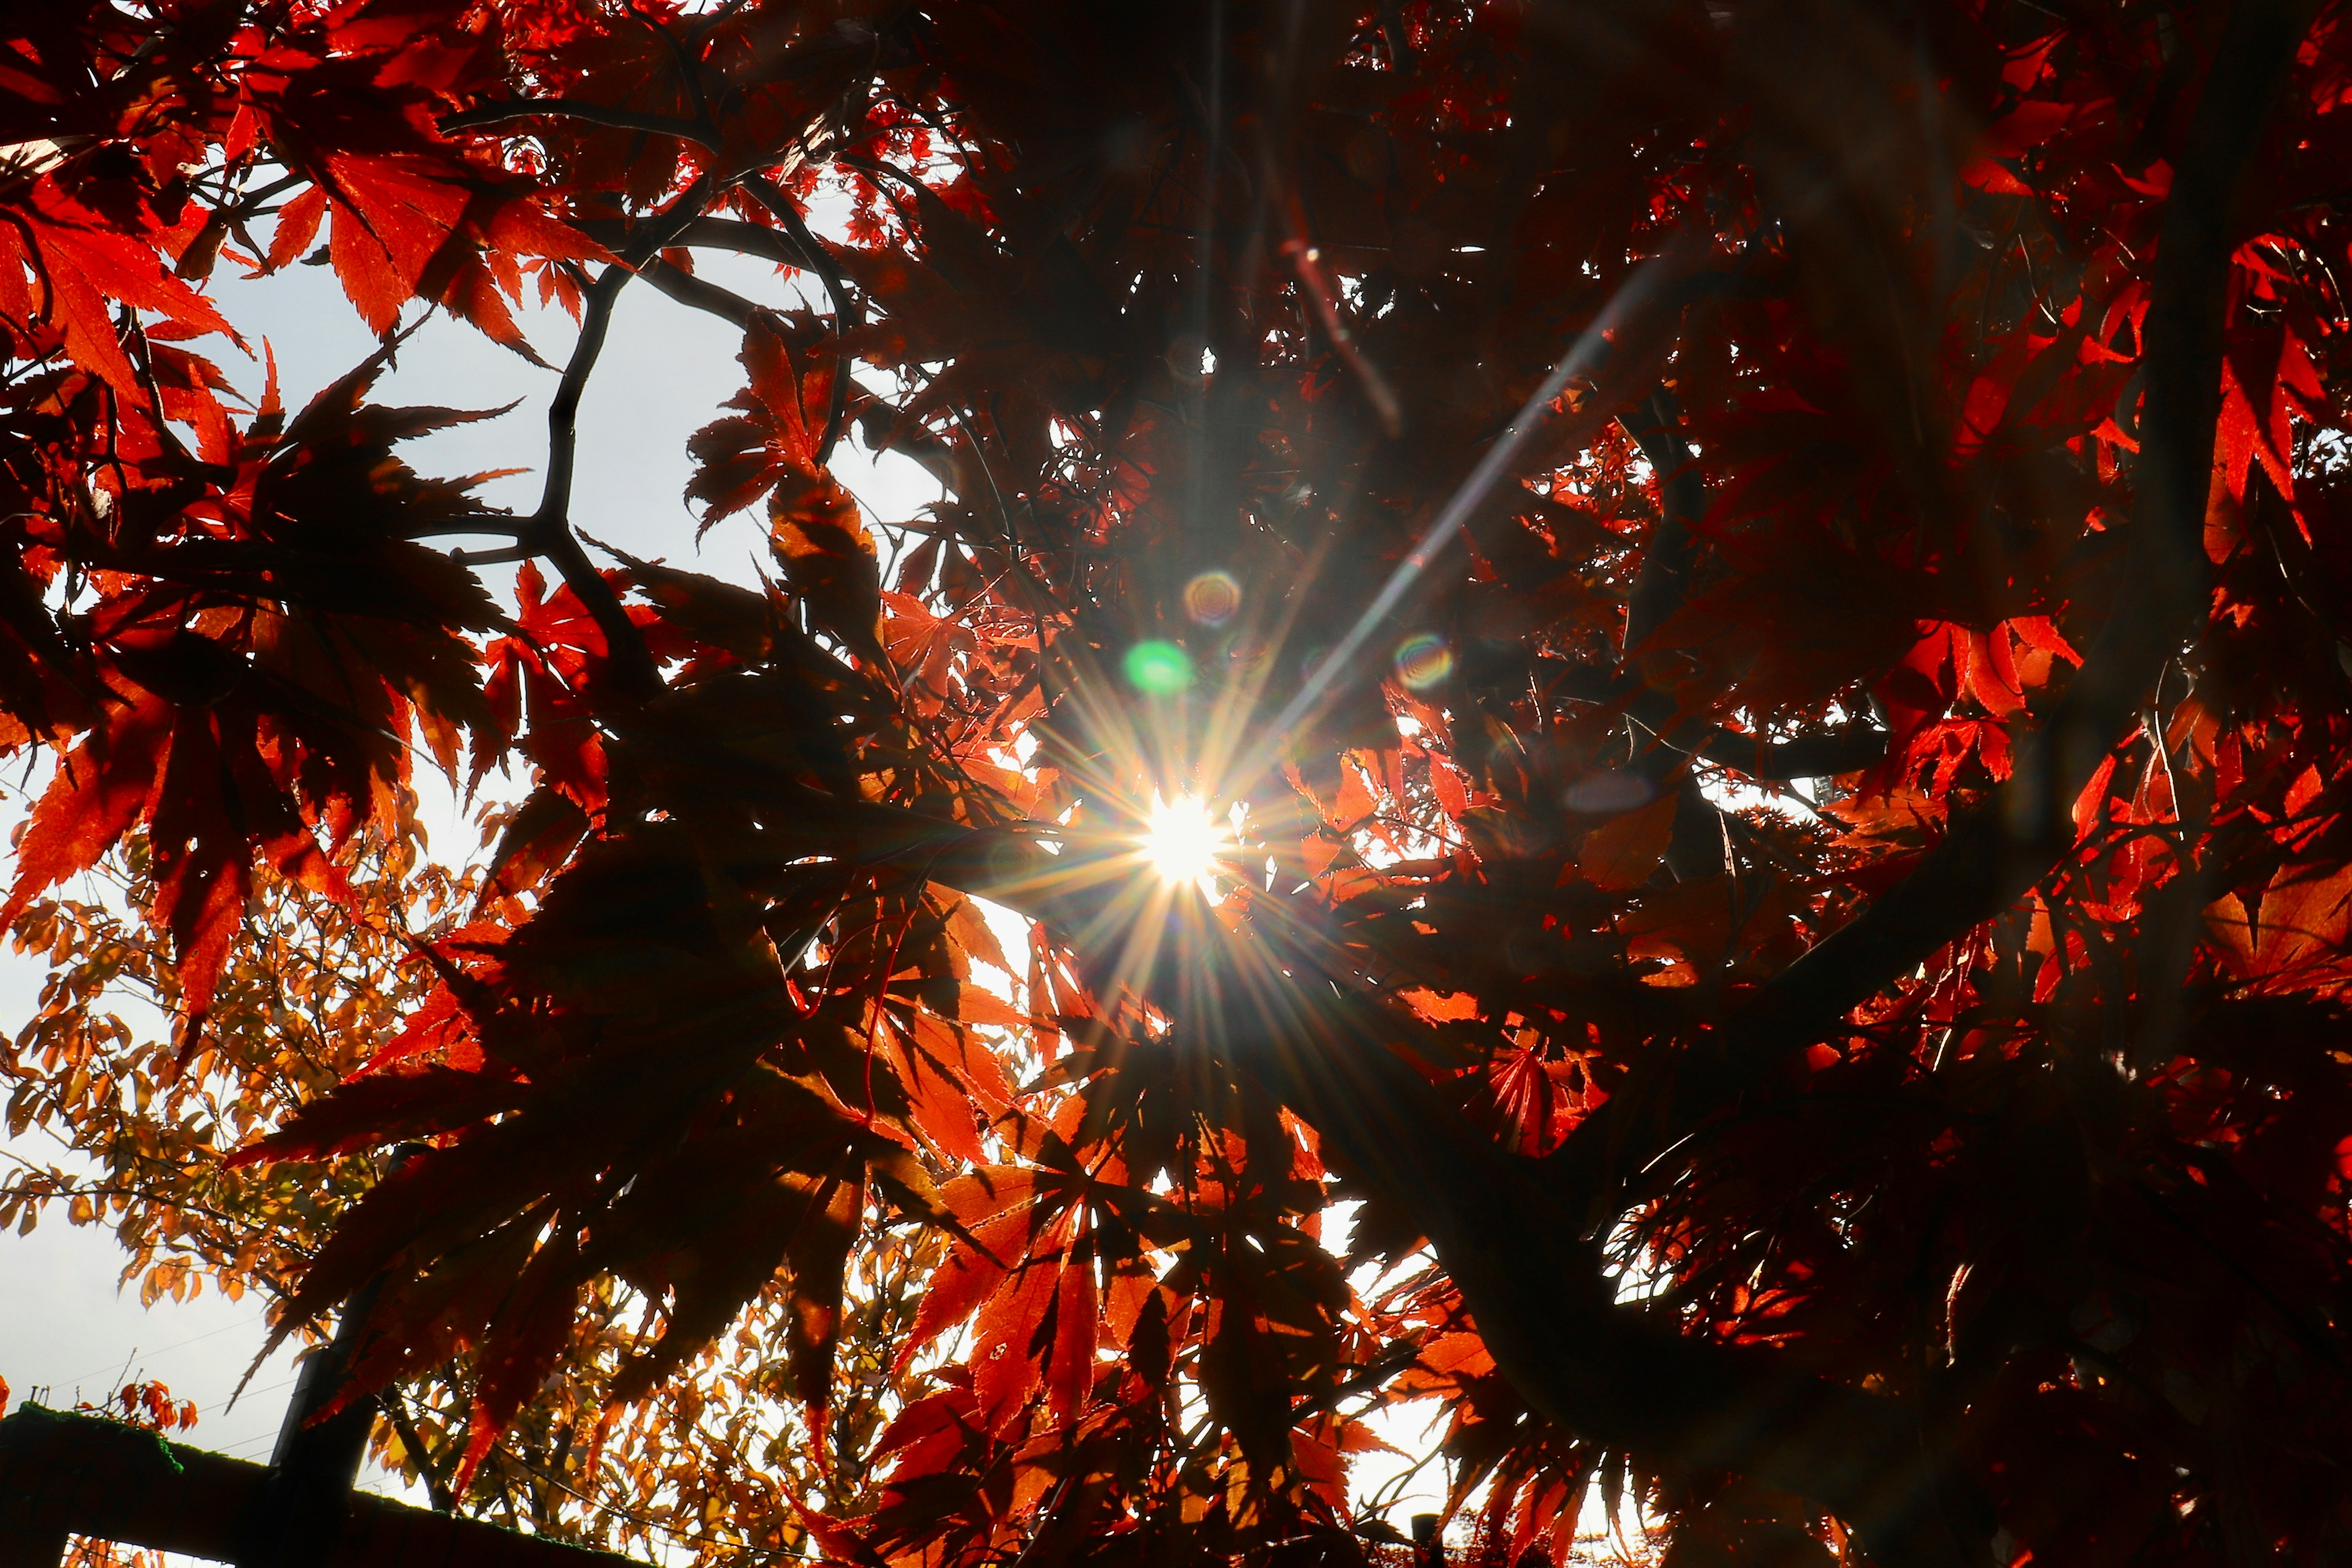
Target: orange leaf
x,y
1070,1370
2294,923
1621,854
98,793
828,558
1440,1008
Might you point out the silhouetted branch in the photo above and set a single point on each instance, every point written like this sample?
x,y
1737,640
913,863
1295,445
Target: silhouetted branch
x,y
1544,1306
694,292
547,532
710,234
571,109
1660,590
1804,757
1665,578
1532,1278
437,1487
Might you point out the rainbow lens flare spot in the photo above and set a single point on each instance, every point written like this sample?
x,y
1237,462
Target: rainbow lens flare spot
x,y
1212,598
1423,661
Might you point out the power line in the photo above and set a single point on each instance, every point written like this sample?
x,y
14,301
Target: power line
x,y
167,1350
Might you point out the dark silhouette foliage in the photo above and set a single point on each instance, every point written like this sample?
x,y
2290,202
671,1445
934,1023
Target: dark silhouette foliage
x,y
1770,578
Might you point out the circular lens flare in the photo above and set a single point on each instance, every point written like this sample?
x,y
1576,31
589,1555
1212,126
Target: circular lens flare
x,y
1183,840
1423,661
1212,598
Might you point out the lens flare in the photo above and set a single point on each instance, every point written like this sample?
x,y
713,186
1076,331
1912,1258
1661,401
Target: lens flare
x,y
1183,840
1212,598
1158,668
1423,661
1610,793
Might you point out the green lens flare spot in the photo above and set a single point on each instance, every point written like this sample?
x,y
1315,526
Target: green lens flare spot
x,y
1158,668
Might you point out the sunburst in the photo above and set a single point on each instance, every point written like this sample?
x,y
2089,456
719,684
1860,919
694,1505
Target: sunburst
x,y
1183,840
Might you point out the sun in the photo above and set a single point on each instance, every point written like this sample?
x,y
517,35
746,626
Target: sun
x,y
1183,840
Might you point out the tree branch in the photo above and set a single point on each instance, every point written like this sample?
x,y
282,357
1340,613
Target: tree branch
x,y
1660,590
1543,1306
1805,757
547,530
1533,1282
692,292
1698,846
1657,591
711,234
1514,1240
437,1489
574,109
1512,1236
1756,756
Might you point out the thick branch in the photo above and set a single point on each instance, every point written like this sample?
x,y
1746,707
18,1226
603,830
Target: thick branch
x,y
1607,1372
1535,1286
1660,590
1518,1252
436,1489
572,109
1805,757
694,292
1517,1248
711,234
1758,756
1657,592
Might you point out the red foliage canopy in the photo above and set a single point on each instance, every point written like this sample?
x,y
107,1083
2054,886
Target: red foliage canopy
x,y
1942,402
